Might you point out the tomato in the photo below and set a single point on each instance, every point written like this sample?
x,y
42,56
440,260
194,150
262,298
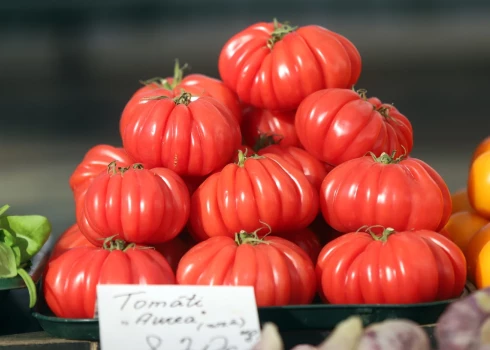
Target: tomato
x,y
479,185
173,251
95,161
306,239
280,271
275,66
257,189
261,128
461,201
138,205
462,226
69,239
482,270
71,279
483,146
314,170
474,247
195,84
336,125
393,268
192,138
402,193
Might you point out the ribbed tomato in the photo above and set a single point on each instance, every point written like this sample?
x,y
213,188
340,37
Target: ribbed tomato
x,y
71,280
190,137
392,268
257,189
94,162
195,84
314,169
336,125
138,205
69,239
402,193
173,250
261,128
275,66
280,271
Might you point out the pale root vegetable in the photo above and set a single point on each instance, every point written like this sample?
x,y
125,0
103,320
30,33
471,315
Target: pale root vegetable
x,y
270,339
345,336
394,335
465,325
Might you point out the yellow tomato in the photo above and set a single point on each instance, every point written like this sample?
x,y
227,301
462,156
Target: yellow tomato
x,y
482,273
482,147
462,226
473,249
460,201
479,185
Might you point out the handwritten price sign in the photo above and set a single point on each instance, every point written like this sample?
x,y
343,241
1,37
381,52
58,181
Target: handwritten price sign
x,y
177,317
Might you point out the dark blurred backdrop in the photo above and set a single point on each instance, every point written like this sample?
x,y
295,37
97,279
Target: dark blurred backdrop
x,y
67,69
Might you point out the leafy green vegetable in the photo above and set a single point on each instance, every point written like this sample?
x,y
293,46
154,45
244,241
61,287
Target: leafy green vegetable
x,y
8,265
30,232
21,237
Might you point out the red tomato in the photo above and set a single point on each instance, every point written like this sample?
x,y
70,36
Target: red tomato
x,y
137,205
336,125
307,240
258,189
279,270
275,66
193,182
95,161
314,170
192,138
69,239
261,128
405,194
173,251
195,84
394,268
70,280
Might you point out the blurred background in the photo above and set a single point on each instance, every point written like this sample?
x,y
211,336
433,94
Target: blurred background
x,y
67,68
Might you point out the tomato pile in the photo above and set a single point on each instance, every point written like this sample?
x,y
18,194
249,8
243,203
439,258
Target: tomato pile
x,y
280,175
469,224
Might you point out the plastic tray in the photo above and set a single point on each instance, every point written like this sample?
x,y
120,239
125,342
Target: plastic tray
x,y
288,318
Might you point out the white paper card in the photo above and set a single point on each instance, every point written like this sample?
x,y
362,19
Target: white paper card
x,y
176,317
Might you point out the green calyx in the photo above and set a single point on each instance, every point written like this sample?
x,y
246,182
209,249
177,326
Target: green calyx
x,y
279,32
163,83
113,169
252,238
383,237
242,158
264,140
111,244
386,158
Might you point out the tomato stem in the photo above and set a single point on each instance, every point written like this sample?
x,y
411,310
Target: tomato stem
x,y
362,93
112,168
184,99
138,166
385,158
266,139
384,235
163,83
252,238
242,157
280,30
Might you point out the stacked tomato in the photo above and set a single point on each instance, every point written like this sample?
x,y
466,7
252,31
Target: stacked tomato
x,y
280,176
469,225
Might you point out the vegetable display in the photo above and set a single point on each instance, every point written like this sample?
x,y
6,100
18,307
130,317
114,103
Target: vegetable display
x,y
278,174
